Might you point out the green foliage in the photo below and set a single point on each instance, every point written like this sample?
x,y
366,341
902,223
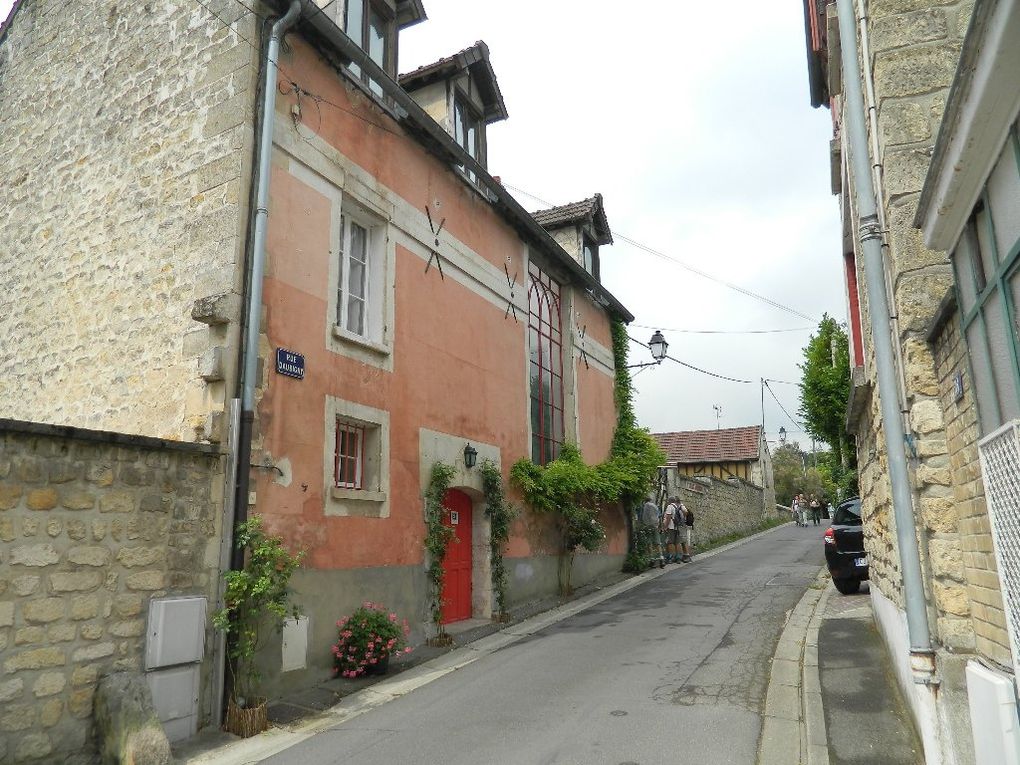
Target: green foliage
x,y
437,537
571,492
821,474
366,637
255,594
640,553
501,514
825,389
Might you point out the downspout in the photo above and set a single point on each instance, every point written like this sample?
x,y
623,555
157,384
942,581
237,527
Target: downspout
x,y
242,434
253,313
870,232
877,170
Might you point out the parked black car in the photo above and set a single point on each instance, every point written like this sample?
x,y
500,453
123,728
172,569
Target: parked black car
x,y
844,547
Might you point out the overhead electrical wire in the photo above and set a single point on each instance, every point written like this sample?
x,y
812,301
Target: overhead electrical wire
x,y
682,264
691,366
723,332
790,416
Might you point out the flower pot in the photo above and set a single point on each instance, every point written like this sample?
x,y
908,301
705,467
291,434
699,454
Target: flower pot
x,y
247,721
379,668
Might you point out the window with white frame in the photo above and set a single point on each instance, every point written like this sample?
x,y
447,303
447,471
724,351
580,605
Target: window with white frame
x,y
360,276
467,129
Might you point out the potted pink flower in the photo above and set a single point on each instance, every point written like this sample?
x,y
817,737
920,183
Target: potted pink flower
x,y
366,641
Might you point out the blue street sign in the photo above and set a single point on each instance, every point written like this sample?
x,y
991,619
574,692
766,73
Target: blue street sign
x,y
290,364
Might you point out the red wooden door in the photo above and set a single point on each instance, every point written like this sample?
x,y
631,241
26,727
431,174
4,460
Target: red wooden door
x,y
457,563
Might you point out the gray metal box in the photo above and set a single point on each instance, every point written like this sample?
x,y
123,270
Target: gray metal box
x,y
176,632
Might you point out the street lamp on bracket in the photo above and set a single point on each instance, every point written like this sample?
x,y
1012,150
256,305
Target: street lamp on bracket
x,y
658,346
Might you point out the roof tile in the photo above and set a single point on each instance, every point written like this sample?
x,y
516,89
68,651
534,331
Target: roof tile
x,y
725,445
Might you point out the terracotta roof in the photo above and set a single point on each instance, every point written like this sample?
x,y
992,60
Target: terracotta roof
x,y
474,59
726,445
587,210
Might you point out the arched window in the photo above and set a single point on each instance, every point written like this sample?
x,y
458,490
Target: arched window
x,y
545,343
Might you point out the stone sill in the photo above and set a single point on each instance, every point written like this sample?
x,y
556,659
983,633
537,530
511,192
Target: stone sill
x,y
348,337
357,495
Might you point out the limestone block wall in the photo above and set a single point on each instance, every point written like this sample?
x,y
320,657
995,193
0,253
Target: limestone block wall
x,y
914,50
966,558
720,507
92,526
123,189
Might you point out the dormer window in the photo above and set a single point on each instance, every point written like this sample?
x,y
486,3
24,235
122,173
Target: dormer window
x,y
590,257
580,228
460,92
370,24
467,130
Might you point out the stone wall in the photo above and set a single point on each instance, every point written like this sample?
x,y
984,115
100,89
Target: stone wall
x,y
914,51
92,526
966,558
124,184
720,507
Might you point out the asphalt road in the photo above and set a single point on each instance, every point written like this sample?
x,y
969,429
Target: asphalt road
x,y
673,671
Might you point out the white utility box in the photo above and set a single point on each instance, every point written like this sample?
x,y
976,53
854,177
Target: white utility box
x,y
993,716
295,644
174,648
175,696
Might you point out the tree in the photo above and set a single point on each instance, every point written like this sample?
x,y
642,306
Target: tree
x,y
824,394
788,470
825,387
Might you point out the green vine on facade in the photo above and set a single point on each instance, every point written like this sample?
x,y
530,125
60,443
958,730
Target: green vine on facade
x,y
437,538
257,595
574,492
501,514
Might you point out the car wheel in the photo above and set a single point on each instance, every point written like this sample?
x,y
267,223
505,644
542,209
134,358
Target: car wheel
x,y
847,586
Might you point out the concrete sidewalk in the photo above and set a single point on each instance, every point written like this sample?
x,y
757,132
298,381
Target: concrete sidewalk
x,y
832,698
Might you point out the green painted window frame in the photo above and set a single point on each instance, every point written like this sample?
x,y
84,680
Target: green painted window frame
x,y
996,293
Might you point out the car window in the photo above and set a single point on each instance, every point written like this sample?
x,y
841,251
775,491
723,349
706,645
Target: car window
x,y
848,513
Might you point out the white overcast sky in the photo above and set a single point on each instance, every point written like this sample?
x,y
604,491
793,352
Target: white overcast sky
x,y
693,121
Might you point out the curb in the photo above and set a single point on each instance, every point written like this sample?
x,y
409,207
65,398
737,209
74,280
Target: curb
x,y
276,740
793,724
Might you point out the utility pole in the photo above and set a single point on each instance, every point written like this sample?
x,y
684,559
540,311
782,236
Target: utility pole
x,y
718,414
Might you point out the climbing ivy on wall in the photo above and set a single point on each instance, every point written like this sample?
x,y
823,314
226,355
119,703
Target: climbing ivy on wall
x,y
501,514
573,492
437,537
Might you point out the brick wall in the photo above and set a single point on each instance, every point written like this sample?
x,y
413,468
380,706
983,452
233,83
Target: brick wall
x,y
967,560
124,185
92,526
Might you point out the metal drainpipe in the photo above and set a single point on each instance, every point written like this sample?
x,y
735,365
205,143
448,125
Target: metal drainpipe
x,y
253,315
877,171
885,360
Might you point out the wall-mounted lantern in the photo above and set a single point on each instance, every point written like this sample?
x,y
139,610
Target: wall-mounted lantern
x,y
470,456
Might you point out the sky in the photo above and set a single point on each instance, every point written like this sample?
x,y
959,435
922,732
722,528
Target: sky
x,y
694,123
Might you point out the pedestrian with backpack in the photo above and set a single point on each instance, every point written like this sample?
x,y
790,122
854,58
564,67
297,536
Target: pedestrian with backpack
x,y
650,518
687,532
672,526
